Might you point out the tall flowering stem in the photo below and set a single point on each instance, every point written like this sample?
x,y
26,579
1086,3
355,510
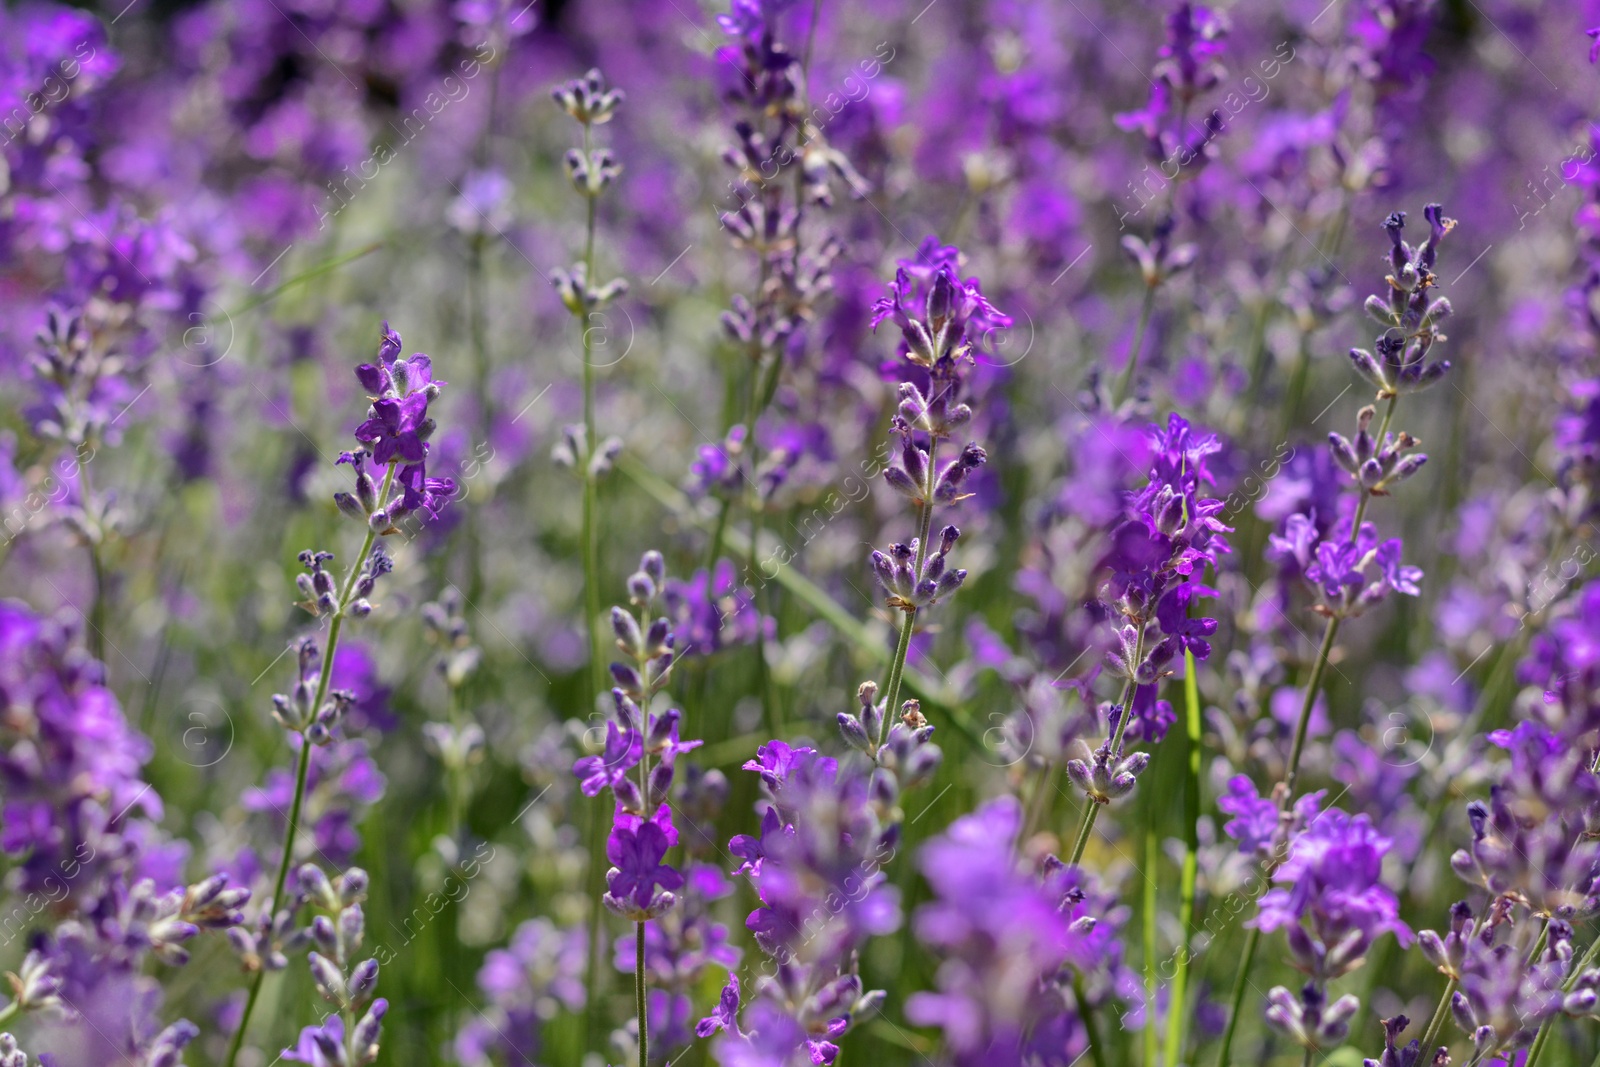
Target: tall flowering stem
x,y
640,1000
1410,315
398,430
942,320
1336,558
591,172
1191,869
1091,810
80,364
1189,65
459,742
1168,533
637,766
774,129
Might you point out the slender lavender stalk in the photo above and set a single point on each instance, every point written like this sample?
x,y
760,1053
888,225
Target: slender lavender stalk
x,y
458,742
1189,65
640,1001
639,886
942,320
591,171
80,356
1177,1010
1168,532
1152,857
1410,315
398,429
774,131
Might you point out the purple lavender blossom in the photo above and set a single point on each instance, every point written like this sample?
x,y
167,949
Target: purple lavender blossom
x,y
639,885
541,970
1335,905
398,428
1012,940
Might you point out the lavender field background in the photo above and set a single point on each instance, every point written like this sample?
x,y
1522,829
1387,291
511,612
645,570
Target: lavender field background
x,y
971,532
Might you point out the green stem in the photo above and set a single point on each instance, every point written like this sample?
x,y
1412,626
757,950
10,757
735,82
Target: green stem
x,y
897,670
599,828
458,783
1038,802
897,666
10,1011
1240,982
591,533
1258,359
1291,776
1151,852
1126,382
1313,686
1297,388
763,385
1091,812
480,373
1191,867
591,603
717,535
769,705
302,770
1437,1022
1538,943
1539,1042
97,607
310,274
1097,1055
303,767
639,998
811,36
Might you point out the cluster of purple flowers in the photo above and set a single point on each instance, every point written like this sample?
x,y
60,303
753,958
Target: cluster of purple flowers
x,y
348,1036
943,321
537,975
1166,537
398,430
827,830
80,822
637,764
1340,556
1025,954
